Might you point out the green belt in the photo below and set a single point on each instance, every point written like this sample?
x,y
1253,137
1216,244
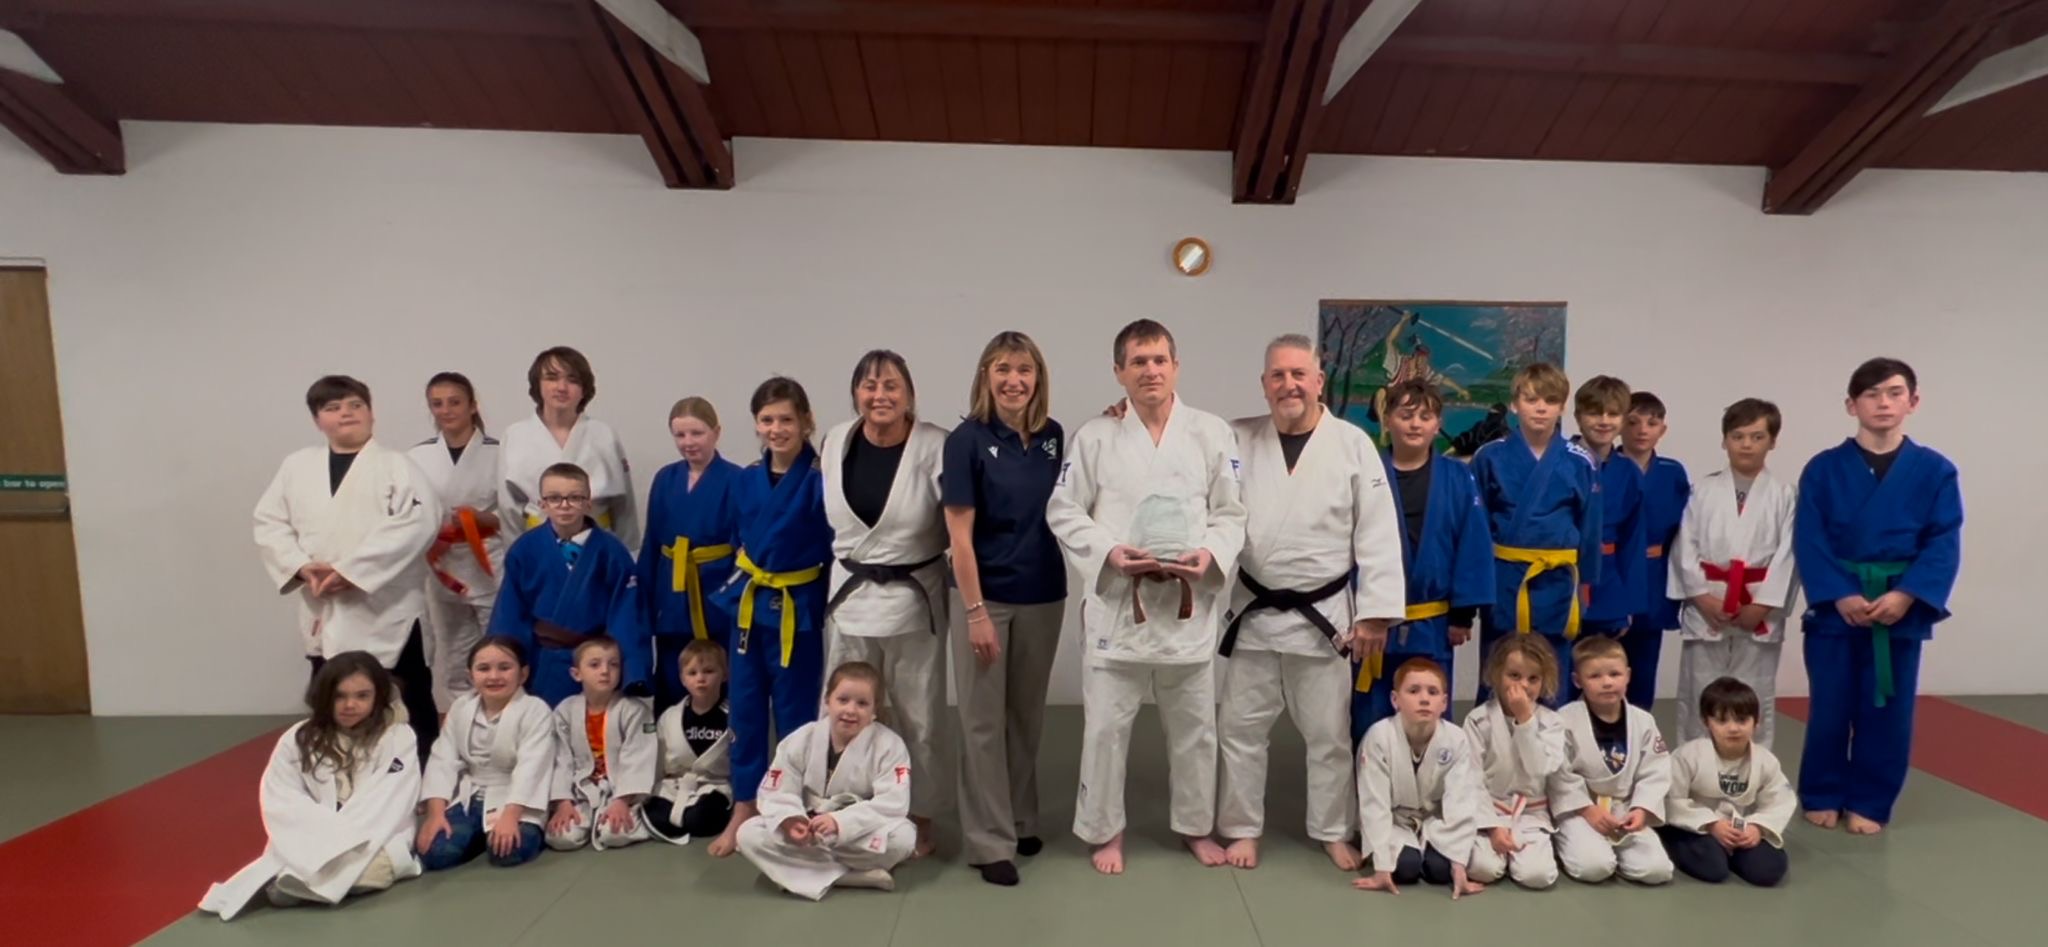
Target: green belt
x,y
1877,580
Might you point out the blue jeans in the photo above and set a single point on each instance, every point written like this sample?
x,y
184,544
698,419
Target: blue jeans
x,y
467,838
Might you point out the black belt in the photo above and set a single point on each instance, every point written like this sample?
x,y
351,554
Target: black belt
x,y
1301,603
863,573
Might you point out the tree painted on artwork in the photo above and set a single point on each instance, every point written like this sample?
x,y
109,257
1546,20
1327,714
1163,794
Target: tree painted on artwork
x,y
1475,350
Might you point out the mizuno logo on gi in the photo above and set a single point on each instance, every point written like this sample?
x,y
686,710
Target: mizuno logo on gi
x,y
397,765
1063,471
775,779
902,775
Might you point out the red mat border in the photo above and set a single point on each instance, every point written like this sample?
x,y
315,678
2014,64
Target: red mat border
x,y
1989,755
120,870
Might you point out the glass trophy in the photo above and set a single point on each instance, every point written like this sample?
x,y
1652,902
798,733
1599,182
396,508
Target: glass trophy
x,y
1164,529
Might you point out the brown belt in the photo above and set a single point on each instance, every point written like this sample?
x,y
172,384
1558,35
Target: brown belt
x,y
552,635
1187,595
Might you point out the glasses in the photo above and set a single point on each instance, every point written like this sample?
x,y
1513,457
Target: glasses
x,y
558,500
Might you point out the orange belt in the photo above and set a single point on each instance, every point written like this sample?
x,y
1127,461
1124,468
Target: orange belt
x,y
467,531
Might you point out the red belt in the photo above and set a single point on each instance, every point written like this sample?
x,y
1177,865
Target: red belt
x,y
1736,577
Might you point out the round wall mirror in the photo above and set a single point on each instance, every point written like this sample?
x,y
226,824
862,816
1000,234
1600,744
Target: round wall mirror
x,y
1191,256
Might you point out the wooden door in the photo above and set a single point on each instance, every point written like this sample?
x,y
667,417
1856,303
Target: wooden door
x,y
42,629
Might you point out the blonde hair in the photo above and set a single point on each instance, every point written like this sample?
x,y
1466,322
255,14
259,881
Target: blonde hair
x,y
1605,394
1534,650
1596,647
695,407
705,651
981,398
1543,380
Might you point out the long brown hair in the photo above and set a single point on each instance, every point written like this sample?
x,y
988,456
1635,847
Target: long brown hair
x,y
320,740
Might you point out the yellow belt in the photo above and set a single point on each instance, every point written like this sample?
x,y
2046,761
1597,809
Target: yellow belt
x,y
533,522
1541,561
1370,669
687,578
782,581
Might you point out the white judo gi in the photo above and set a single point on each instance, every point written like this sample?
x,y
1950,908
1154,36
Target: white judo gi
x,y
527,449
1403,803
1643,782
374,531
898,623
460,596
331,833
686,775
868,794
514,765
632,754
1715,535
1306,529
1112,467
1518,762
1698,799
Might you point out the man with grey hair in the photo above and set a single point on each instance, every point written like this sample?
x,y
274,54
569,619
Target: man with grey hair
x,y
1319,580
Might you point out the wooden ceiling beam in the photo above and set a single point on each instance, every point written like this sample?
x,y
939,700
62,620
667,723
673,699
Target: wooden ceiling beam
x,y
545,18
61,123
560,19
1277,122
662,102
1959,36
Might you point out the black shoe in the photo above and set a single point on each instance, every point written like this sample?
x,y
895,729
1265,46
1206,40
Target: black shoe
x,y
999,873
1030,845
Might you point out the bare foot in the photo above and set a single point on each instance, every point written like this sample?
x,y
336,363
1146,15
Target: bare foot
x,y
1859,825
1242,853
1109,856
1344,856
926,844
728,841
1825,818
1206,850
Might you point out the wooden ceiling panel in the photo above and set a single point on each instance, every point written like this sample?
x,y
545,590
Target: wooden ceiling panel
x,y
804,64
1468,120
732,94
1076,93
1002,98
1716,81
761,57
1113,70
1403,110
1439,107
1223,87
1566,137
1038,91
2003,132
882,64
924,82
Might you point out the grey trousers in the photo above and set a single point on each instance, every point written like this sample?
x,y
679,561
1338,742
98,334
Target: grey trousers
x,y
1002,717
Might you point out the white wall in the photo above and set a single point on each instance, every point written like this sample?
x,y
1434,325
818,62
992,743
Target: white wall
x,y
196,297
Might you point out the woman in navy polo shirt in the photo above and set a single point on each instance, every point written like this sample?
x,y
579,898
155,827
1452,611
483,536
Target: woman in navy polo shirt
x,y
1001,464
